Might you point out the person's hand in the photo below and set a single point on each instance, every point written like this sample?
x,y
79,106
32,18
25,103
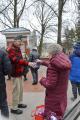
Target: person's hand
x,y
41,80
32,64
38,61
25,59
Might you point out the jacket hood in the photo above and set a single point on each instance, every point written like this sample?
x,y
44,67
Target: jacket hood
x,y
61,61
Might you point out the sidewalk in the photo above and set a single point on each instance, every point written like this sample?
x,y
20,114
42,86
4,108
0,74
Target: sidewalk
x,y
32,99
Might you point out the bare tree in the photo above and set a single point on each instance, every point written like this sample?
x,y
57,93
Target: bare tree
x,y
59,14
3,9
45,20
17,15
13,12
61,4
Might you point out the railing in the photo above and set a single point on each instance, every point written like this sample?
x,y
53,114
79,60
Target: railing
x,y
73,112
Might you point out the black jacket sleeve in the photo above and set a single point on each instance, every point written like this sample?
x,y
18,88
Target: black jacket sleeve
x,y
6,64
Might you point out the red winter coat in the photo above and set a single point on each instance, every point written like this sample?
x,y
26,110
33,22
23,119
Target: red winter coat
x,y
56,83
17,61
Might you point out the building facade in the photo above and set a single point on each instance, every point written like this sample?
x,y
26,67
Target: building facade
x,y
14,32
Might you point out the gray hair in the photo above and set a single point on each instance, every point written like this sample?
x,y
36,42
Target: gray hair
x,y
55,48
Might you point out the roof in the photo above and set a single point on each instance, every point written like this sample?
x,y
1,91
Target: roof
x,y
16,30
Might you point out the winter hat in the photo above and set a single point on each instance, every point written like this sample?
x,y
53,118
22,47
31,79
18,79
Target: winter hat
x,y
34,48
3,41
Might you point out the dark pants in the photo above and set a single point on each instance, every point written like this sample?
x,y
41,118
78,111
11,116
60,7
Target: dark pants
x,y
34,75
75,88
3,101
9,77
26,70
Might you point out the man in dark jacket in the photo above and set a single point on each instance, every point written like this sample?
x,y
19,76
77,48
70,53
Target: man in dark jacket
x,y
5,68
18,64
34,55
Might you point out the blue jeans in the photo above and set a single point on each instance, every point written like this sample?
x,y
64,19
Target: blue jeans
x,y
34,75
3,101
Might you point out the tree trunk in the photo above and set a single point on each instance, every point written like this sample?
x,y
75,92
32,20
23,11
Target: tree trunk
x,y
43,29
40,45
18,23
60,10
15,13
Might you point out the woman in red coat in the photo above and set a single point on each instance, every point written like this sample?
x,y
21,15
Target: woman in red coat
x,y
56,81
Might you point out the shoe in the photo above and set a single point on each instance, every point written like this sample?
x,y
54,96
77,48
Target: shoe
x,y
22,106
73,99
18,111
25,79
34,83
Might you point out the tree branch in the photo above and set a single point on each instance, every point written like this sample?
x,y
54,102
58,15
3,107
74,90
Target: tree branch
x,y
5,7
64,2
5,23
50,7
21,11
7,17
18,2
34,27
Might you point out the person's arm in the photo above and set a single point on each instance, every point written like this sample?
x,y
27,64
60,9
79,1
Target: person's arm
x,y
18,60
6,64
43,62
51,80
